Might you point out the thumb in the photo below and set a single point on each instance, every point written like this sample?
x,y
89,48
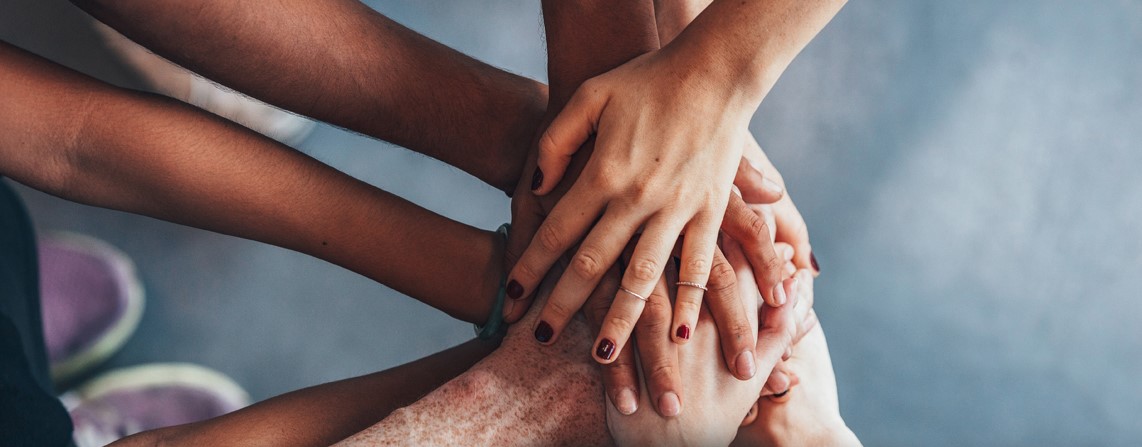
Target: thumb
x,y
755,187
569,130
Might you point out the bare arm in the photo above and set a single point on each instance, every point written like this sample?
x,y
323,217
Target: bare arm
x,y
323,414
74,137
341,62
520,395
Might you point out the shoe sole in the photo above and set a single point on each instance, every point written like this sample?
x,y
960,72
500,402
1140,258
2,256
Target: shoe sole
x,y
117,335
160,374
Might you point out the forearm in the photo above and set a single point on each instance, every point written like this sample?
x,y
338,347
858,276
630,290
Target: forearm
x,y
324,414
341,62
517,396
71,136
587,38
746,45
673,16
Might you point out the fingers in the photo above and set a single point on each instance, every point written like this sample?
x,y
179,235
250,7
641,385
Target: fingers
x,y
558,232
657,354
639,281
730,314
527,216
620,377
750,230
569,130
776,332
803,313
697,256
791,229
594,257
755,187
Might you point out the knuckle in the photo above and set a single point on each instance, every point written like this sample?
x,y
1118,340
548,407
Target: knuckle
x,y
560,310
697,264
739,332
757,227
645,270
689,307
621,322
587,263
549,238
527,271
662,374
771,271
722,279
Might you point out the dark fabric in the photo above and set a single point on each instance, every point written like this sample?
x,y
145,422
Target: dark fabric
x,y
30,414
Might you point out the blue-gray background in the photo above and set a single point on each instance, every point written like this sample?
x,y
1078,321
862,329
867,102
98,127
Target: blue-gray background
x,y
967,170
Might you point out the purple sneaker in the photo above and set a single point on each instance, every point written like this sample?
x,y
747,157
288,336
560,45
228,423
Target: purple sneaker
x,y
91,300
123,402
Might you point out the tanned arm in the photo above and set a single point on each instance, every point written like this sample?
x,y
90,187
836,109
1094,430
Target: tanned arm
x,y
323,414
341,62
71,136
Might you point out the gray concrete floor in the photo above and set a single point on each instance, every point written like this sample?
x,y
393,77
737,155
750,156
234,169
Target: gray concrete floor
x,y
967,170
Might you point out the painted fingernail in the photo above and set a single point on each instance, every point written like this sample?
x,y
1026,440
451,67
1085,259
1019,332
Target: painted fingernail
x,y
515,290
744,365
771,185
683,332
669,405
813,262
536,179
606,349
625,402
543,332
779,294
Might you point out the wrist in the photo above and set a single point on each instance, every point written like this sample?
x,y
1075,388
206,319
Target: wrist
x,y
525,103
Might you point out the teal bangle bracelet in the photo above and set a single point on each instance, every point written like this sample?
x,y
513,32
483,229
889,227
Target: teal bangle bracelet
x,y
495,325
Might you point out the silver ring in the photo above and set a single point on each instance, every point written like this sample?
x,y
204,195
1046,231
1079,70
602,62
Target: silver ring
x,y
624,289
692,284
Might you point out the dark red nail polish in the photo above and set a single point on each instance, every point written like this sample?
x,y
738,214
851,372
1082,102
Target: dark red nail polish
x,y
683,332
515,291
813,262
543,332
606,349
536,179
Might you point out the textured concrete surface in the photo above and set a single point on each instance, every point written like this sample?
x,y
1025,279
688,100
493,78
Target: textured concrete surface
x,y
966,169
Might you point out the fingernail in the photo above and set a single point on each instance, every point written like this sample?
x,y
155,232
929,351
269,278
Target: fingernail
x,y
543,332
744,365
536,179
625,402
515,290
683,332
813,262
771,185
669,405
606,349
779,294
794,286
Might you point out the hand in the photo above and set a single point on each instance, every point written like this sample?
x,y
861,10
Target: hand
x,y
676,179
788,223
619,375
718,402
809,415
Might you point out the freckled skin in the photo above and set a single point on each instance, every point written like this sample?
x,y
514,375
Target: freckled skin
x,y
522,394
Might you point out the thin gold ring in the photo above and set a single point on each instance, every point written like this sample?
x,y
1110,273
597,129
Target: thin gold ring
x,y
624,289
692,284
